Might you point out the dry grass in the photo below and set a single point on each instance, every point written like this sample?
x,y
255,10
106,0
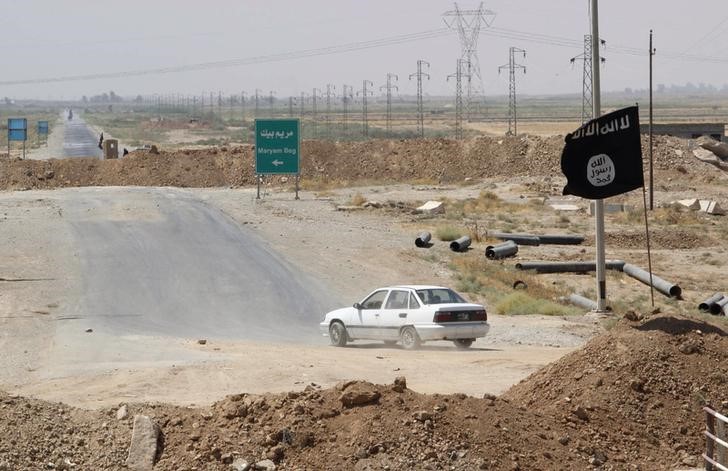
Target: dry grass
x,y
448,233
357,200
495,281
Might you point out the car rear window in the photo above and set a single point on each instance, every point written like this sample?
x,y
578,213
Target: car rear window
x,y
439,296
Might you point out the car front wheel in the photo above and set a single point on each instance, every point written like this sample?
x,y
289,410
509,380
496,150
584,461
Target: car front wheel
x,y
409,338
337,334
463,343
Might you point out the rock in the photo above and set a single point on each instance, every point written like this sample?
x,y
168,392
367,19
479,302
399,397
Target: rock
x,y
637,385
202,341
144,441
490,397
240,465
580,413
400,384
88,331
122,413
372,204
564,440
422,416
431,207
633,316
359,395
692,203
265,465
155,150
689,347
232,410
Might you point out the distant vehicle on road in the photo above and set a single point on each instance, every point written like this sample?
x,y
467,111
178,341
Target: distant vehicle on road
x,y
411,315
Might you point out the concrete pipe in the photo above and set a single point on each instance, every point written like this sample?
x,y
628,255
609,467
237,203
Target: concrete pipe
x,y
721,305
461,244
423,240
581,301
705,305
505,249
664,287
568,267
520,239
561,239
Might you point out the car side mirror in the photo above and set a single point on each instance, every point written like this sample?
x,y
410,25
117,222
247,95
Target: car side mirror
x,y
357,306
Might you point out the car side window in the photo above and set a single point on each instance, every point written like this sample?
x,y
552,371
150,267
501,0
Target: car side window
x,y
375,300
413,303
397,300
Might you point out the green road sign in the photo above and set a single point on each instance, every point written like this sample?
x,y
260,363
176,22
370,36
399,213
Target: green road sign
x,y
277,146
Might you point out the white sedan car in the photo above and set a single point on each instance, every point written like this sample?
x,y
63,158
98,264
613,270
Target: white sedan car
x,y
409,314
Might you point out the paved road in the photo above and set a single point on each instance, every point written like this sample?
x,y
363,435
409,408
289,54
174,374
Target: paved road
x,y
79,140
161,262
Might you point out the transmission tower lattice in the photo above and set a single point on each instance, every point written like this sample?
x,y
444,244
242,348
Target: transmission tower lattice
x,y
512,67
389,86
330,93
587,103
459,74
314,111
365,93
346,98
468,23
420,113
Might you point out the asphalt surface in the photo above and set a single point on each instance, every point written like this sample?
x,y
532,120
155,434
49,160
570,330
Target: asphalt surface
x,y
79,140
161,262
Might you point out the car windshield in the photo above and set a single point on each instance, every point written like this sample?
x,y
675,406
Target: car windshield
x,y
439,296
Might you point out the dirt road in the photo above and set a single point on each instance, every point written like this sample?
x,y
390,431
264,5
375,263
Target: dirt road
x,y
128,279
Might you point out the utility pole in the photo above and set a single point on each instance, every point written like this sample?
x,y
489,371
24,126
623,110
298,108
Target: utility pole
x,y
652,181
270,102
587,105
212,105
346,95
461,65
364,112
329,93
232,103
242,107
598,204
512,66
314,112
468,23
291,101
389,86
420,112
257,103
302,113
219,104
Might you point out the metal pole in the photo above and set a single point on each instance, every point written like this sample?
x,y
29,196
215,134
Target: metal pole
x,y
652,182
598,204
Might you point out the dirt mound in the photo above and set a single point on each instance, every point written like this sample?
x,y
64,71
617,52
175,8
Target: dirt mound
x,y
635,394
437,160
630,399
659,239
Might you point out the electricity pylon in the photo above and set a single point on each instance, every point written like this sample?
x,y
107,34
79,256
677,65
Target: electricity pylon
x,y
346,98
587,107
365,93
420,113
459,74
512,67
468,23
330,93
389,86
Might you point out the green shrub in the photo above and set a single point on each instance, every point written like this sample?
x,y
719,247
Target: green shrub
x,y
523,303
448,233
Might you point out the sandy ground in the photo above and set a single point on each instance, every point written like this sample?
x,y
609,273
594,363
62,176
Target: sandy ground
x,y
48,354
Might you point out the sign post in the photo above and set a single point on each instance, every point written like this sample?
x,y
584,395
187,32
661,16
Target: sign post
x,y
17,131
277,149
43,130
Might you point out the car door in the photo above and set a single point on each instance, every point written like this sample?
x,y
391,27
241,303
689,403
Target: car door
x,y
365,323
394,315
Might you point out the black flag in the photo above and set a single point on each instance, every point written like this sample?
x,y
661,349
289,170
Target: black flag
x,y
603,158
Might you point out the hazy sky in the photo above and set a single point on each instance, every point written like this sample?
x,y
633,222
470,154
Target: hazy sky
x,y
52,38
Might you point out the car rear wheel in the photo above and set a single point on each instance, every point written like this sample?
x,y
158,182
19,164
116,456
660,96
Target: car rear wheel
x,y
337,334
463,343
409,338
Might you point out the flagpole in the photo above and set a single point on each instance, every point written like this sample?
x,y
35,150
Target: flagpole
x,y
598,204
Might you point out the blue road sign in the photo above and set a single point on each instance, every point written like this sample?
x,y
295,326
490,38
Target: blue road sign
x,y
42,127
17,129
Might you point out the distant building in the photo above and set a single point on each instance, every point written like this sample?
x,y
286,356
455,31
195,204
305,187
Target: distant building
x,y
688,130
